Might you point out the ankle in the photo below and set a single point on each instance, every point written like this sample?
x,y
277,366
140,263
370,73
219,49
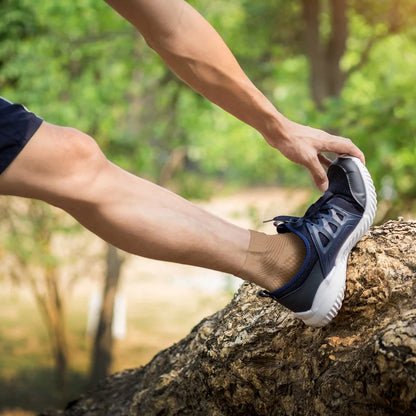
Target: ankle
x,y
272,260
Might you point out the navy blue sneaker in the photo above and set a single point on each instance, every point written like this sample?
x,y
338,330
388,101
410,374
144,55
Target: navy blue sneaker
x,y
330,228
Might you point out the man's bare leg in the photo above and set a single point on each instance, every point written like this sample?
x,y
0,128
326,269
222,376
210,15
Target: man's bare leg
x,y
65,168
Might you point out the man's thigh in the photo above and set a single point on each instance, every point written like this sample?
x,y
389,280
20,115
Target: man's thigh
x,y
44,161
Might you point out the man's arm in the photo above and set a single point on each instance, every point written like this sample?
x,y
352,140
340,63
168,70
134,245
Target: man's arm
x,y
193,50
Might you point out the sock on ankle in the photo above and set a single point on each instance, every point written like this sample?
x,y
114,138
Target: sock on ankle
x,y
272,260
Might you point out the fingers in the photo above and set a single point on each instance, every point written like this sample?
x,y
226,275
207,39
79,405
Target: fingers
x,y
339,145
304,145
324,160
318,172
342,145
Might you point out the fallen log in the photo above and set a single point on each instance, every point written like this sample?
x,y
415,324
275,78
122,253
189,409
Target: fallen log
x,y
254,358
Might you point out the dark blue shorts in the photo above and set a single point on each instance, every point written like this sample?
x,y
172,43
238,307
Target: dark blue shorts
x,y
17,126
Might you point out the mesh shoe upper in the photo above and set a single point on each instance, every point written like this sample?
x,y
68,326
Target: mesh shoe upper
x,y
324,228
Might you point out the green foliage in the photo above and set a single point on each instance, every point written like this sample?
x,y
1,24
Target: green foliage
x,y
30,231
376,111
80,64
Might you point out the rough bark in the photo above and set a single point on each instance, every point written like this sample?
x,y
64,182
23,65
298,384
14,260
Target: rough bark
x,y
254,358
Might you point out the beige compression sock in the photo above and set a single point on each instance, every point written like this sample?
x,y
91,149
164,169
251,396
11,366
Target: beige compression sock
x,y
272,260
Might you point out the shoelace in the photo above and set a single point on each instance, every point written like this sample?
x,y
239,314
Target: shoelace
x,y
315,215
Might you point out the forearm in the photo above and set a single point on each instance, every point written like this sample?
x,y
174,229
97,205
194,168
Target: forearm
x,y
192,48
196,53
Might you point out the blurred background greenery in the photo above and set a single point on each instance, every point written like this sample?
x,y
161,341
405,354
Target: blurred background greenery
x,y
345,66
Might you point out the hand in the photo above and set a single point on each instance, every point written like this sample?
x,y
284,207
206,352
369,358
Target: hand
x,y
304,145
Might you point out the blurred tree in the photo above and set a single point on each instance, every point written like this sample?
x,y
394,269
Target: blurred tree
x,y
28,230
99,75
321,31
16,25
74,49
102,351
358,56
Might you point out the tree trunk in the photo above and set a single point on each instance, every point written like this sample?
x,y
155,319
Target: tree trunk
x,y
324,54
51,307
254,358
58,331
103,345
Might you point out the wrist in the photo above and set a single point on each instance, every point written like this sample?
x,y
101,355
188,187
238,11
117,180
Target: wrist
x,y
274,126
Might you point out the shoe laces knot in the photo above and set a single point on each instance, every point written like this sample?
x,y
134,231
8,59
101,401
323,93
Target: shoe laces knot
x,y
318,213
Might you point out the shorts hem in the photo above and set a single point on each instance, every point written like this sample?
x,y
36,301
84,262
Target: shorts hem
x,y
8,159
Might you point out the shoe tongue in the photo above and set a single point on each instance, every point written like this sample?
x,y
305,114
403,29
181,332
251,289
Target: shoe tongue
x,y
346,203
338,183
342,200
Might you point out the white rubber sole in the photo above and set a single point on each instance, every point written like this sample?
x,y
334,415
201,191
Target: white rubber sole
x,y
330,294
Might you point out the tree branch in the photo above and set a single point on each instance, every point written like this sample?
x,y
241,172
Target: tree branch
x,y
254,358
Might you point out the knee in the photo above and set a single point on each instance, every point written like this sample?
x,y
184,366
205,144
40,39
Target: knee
x,y
80,157
78,168
79,152
58,164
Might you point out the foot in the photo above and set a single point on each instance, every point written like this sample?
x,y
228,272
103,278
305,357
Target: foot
x,y
329,229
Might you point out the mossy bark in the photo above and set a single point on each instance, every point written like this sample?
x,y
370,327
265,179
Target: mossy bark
x,y
253,358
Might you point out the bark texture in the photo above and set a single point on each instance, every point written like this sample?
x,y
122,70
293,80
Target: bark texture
x,y
253,358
